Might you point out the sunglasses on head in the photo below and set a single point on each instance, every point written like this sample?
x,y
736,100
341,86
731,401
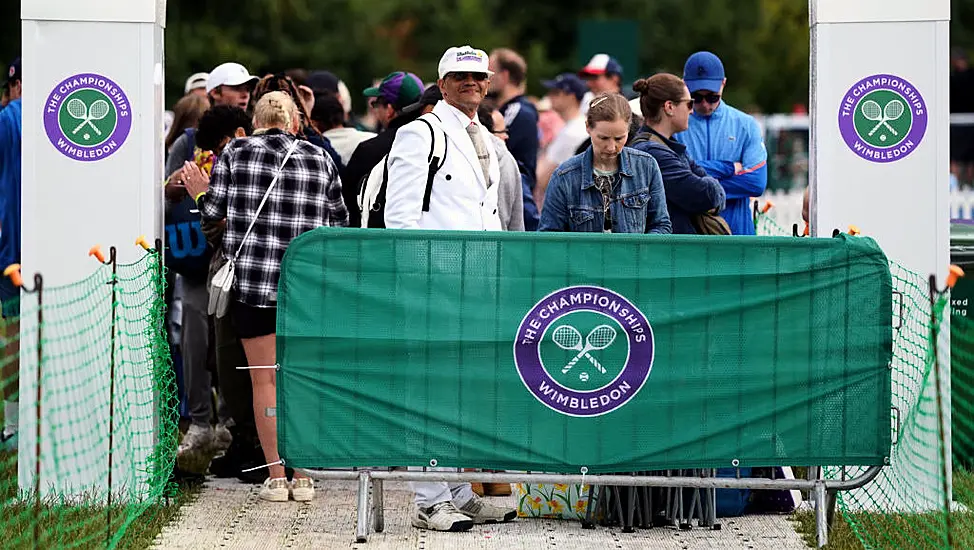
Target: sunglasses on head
x,y
710,98
479,77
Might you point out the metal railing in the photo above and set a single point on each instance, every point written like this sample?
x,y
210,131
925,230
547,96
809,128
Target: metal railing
x,y
370,482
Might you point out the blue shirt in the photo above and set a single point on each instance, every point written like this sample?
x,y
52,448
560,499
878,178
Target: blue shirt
x,y
716,142
521,119
10,149
573,202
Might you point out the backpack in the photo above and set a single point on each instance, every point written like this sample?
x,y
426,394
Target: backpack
x,y
187,251
372,191
706,223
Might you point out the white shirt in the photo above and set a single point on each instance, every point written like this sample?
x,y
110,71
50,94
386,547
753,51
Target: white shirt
x,y
570,138
460,198
345,140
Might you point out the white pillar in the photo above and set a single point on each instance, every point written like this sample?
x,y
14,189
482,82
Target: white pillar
x,y
92,174
879,161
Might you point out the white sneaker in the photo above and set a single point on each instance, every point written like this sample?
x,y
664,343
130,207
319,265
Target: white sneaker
x,y
442,516
482,511
302,489
274,490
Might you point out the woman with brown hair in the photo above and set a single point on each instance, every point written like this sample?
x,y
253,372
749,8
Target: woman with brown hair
x,y
270,187
692,197
609,188
186,115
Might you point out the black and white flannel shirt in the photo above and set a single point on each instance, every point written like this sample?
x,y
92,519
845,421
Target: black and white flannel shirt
x,y
307,195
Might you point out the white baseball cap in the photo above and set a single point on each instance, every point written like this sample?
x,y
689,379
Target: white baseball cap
x,y
195,81
229,74
464,59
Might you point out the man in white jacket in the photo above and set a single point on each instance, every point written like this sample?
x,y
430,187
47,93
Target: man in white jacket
x,y
462,196
464,190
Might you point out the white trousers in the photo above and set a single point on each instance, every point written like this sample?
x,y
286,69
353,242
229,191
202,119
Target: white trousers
x,y
429,493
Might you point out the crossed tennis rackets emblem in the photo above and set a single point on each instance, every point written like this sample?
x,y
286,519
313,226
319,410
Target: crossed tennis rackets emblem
x,y
88,114
882,116
568,338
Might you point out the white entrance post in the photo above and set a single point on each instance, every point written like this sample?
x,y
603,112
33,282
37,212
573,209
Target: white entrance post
x,y
92,174
879,161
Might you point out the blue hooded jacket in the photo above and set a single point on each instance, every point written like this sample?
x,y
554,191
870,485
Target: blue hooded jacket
x,y
11,129
716,142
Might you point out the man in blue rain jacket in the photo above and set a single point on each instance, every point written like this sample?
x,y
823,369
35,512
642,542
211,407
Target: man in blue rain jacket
x,y
724,141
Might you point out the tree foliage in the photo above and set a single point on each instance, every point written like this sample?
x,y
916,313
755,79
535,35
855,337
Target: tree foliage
x,y
763,43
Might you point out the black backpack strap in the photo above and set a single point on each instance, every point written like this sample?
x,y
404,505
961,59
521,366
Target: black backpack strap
x,y
435,163
377,216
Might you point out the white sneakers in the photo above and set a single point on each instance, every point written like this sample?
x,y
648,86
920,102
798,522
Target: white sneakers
x,y
275,490
445,516
442,516
279,489
482,511
302,489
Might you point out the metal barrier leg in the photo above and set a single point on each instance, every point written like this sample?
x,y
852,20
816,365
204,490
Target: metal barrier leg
x,y
378,518
588,522
646,507
362,525
627,526
821,521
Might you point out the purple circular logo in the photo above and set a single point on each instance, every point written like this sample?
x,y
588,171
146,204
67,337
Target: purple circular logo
x,y
584,351
87,117
882,118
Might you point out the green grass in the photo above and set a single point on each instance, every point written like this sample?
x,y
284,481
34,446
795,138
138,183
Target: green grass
x,y
79,525
913,531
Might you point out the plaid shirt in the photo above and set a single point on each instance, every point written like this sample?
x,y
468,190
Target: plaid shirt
x,y
307,195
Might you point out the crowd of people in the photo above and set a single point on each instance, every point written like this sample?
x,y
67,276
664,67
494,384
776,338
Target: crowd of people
x,y
253,162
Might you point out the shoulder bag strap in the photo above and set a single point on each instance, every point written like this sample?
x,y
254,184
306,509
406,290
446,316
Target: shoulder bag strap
x,y
294,145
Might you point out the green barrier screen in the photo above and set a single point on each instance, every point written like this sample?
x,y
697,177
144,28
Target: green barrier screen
x,y
553,352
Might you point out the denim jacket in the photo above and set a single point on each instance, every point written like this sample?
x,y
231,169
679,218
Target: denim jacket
x,y
573,202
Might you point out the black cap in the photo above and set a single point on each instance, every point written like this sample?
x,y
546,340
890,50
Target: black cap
x,y
431,96
321,82
13,72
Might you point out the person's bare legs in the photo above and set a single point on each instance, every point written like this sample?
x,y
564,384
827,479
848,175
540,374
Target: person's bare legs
x,y
262,351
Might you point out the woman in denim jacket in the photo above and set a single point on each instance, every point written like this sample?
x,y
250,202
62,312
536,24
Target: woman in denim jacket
x,y
609,188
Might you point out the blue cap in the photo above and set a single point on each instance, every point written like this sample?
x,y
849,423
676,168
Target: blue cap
x,y
703,71
568,83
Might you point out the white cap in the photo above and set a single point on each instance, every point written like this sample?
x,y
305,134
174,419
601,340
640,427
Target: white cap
x,y
195,81
463,60
229,74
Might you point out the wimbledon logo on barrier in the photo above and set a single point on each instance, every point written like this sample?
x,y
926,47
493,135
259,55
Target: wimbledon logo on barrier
x,y
87,117
584,351
882,118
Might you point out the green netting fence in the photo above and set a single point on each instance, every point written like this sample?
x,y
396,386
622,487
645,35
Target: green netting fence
x,y
96,354
921,500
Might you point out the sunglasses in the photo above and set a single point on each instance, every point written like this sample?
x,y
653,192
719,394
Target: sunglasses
x,y
681,101
712,99
460,77
378,102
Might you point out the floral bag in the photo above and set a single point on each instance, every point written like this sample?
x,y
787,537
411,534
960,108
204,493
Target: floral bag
x,y
556,501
